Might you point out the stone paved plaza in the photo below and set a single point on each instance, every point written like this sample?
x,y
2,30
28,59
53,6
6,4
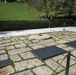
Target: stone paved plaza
x,y
18,49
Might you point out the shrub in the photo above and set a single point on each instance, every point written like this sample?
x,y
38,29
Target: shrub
x,y
32,24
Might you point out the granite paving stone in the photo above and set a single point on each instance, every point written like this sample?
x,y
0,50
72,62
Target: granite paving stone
x,y
42,70
1,48
20,45
1,38
68,48
7,44
64,62
4,41
27,55
72,70
27,64
22,38
3,57
14,39
6,38
54,65
50,44
59,57
15,57
2,51
37,46
27,41
10,70
24,73
10,47
62,73
7,70
18,51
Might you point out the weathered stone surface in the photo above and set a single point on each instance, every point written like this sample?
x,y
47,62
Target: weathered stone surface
x,y
68,48
42,70
14,39
59,57
64,62
61,46
38,46
72,70
35,41
39,37
10,70
10,47
3,57
7,70
2,51
24,73
22,38
50,44
20,45
1,48
27,41
15,58
1,38
27,64
6,38
17,51
8,44
53,65
27,55
62,73
4,41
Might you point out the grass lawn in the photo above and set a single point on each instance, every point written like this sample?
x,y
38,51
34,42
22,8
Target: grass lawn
x,y
17,11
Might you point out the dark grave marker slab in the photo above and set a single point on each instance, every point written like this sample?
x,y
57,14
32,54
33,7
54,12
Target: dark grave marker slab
x,y
4,63
44,53
72,44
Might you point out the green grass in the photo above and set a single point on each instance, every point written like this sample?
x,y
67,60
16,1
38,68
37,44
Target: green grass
x,y
17,11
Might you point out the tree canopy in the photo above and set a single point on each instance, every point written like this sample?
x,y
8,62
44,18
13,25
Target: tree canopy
x,y
54,7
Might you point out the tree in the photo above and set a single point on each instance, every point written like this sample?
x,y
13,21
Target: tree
x,y
67,6
54,7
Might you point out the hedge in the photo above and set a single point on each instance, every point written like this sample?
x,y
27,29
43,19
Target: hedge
x,y
32,24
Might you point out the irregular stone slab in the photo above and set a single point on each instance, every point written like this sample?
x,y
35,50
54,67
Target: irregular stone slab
x,y
37,46
54,65
15,58
3,57
10,47
1,48
7,70
20,45
27,41
72,70
8,44
27,55
62,73
64,62
27,64
42,70
22,38
24,73
59,57
17,51
40,37
2,51
4,41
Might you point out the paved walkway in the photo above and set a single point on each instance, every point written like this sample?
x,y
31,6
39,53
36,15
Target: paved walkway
x,y
18,49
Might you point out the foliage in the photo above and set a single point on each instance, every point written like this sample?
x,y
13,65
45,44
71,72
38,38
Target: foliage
x,y
54,7
32,24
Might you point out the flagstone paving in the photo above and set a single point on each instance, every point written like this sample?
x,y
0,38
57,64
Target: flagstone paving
x,y
18,49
